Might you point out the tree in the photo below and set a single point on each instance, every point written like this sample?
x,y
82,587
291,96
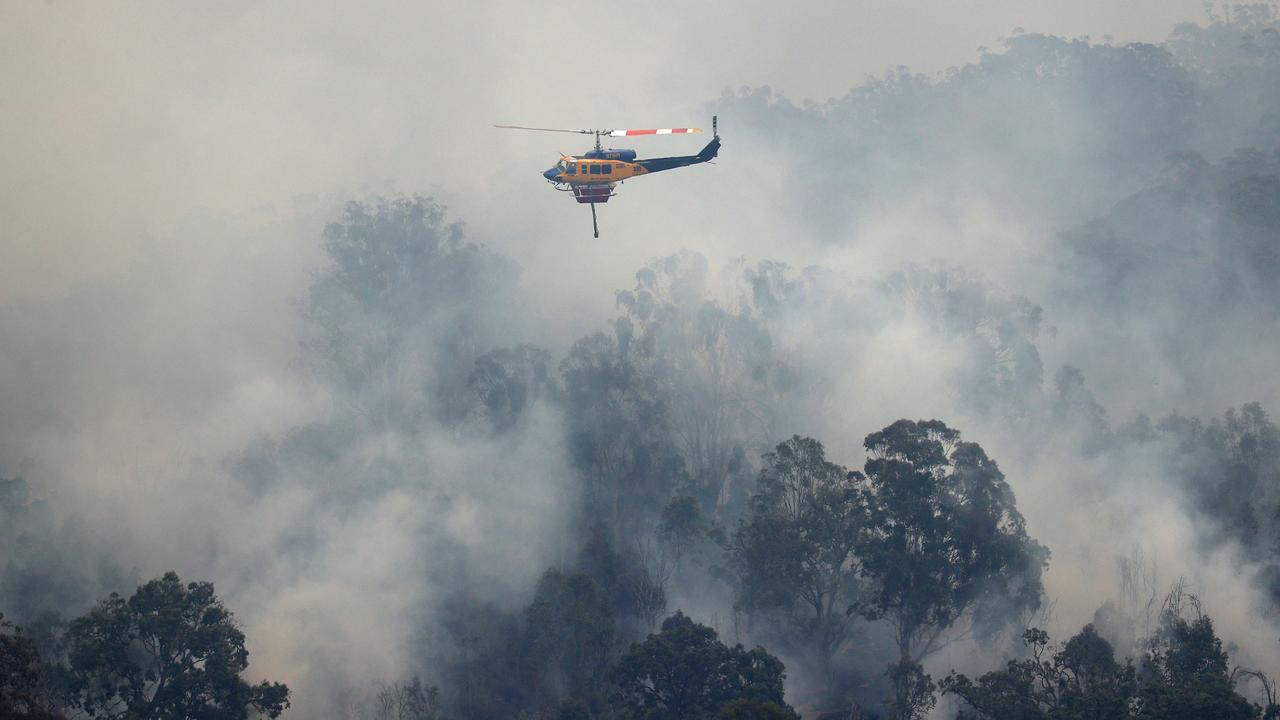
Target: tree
x,y
492,669
507,381
713,363
407,701
648,581
1185,674
1082,680
1075,405
36,535
945,539
22,695
634,585
682,526
1271,708
575,709
618,432
1231,466
570,631
168,651
795,552
995,333
754,710
686,673
403,308
912,690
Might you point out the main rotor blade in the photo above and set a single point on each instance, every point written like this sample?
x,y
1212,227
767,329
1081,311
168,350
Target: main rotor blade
x,y
522,127
659,131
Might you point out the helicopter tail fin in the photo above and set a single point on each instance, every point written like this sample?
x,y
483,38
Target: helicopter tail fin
x,y
710,151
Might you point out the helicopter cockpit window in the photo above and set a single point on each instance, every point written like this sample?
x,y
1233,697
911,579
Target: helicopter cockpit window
x,y
573,168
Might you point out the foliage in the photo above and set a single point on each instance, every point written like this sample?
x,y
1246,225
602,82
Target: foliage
x,y
683,526
619,433
407,701
507,381
1082,680
492,671
633,578
403,307
686,673
1212,221
996,332
945,538
663,411
912,690
795,552
168,651
571,634
23,695
575,709
1232,51
1076,406
1183,675
754,710
714,365
555,652
1232,469
35,537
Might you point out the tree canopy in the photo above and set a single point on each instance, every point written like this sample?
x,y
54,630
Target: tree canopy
x,y
686,673
168,651
796,551
1184,674
945,539
23,692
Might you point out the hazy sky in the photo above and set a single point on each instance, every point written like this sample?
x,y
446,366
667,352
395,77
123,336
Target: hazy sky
x,y
121,119
168,168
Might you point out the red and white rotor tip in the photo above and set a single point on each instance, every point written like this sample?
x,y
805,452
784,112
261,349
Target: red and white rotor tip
x,y
656,131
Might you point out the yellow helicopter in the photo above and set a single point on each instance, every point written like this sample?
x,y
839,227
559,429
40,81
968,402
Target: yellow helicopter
x,y
593,175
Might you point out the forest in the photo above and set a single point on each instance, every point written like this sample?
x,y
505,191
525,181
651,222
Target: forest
x,y
1041,483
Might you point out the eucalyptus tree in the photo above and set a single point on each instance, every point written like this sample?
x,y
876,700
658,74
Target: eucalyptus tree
x,y
168,651
945,542
796,551
686,673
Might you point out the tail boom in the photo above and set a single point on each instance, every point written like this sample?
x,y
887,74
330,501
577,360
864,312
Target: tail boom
x,y
707,154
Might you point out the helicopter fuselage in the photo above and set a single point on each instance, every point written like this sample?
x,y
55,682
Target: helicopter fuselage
x,y
587,170
597,167
592,177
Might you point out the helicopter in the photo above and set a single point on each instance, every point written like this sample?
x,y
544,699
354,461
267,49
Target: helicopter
x,y
592,176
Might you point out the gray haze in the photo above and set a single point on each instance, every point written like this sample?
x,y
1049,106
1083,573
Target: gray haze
x,y
168,174
122,121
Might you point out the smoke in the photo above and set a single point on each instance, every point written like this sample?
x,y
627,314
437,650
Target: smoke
x,y
1034,246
